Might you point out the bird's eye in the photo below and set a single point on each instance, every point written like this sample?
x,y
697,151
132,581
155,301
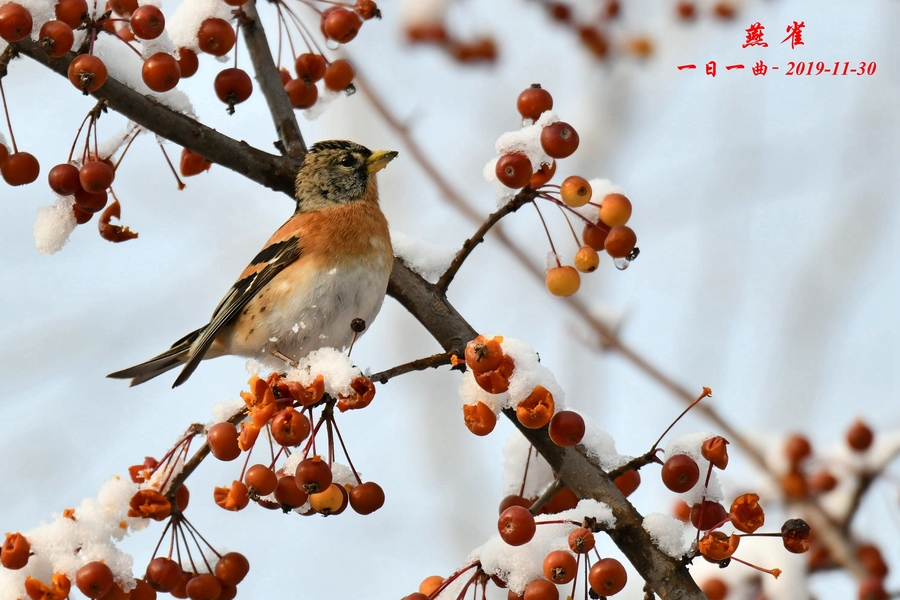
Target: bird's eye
x,y
348,161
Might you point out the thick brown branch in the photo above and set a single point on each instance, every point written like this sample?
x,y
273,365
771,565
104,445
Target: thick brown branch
x,y
270,82
521,199
272,171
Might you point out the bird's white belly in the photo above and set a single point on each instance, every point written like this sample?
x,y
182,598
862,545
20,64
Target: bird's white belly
x,y
318,314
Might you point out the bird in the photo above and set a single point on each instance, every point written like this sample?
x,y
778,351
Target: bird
x,y
326,267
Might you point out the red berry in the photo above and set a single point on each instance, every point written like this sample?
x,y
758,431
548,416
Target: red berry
x,y
797,448
366,498
310,67
341,25
205,586
4,154
233,86
89,202
148,22
94,579
560,566
713,514
262,479
533,102
541,589
514,170
607,577
301,94
566,428
859,436
516,526
81,216
71,12
544,174
594,236
680,473
223,441
232,568
288,493
187,62
367,9
142,591
20,168
216,37
559,140
339,75
15,22
163,574
313,475
620,241
87,73
628,481
514,500
95,176
123,8
714,589
581,540
56,38
289,427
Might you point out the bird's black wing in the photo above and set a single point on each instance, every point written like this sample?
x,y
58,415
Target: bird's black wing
x,y
270,261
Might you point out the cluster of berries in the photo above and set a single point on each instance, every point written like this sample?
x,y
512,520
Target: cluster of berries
x,y
285,410
605,221
492,369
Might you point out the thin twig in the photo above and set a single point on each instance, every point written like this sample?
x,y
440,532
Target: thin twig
x,y
420,364
555,486
517,202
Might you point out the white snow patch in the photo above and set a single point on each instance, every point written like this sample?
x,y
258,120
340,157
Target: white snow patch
x,y
668,533
427,259
54,225
333,365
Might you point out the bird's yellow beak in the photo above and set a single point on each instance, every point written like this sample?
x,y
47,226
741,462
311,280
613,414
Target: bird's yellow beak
x,y
379,160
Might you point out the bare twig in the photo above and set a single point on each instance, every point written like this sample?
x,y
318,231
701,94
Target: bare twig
x,y
429,362
518,201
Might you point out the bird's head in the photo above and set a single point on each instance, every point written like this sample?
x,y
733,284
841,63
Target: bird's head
x,y
338,172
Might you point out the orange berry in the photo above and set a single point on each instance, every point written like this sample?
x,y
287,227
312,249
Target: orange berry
x,y
148,22
628,481
562,281
516,526
94,579
615,209
161,72
859,436
341,25
71,12
483,355
537,409
541,589
232,568
575,191
15,551
586,259
479,418
223,441
56,38
188,62
430,584
332,501
620,241
302,94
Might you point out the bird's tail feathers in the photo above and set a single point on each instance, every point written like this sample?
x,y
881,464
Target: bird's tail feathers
x,y
175,356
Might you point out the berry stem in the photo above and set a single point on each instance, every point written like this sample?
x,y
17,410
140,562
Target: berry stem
x,y
346,454
518,201
161,538
451,579
525,471
420,364
773,572
181,184
547,231
706,392
12,136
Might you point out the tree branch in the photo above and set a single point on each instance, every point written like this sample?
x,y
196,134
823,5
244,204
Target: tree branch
x,y
270,82
521,199
269,170
429,362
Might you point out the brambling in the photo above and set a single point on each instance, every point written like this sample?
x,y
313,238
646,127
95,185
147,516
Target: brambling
x,y
326,266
